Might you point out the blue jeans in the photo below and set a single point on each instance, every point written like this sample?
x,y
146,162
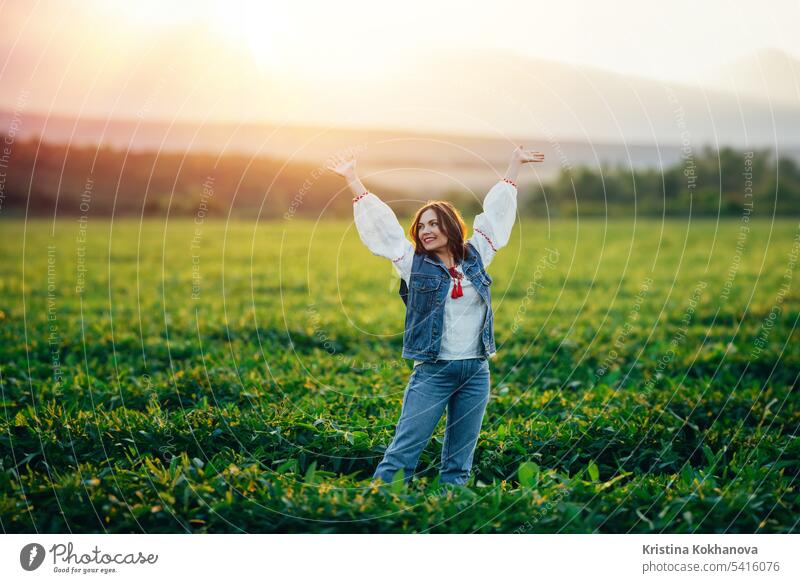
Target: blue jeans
x,y
461,386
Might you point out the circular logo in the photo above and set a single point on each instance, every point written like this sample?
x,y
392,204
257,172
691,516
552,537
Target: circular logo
x,y
31,556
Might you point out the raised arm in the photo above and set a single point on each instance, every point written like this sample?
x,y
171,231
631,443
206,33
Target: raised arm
x,y
492,228
376,223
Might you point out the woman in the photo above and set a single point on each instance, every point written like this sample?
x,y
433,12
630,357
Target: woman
x,y
449,325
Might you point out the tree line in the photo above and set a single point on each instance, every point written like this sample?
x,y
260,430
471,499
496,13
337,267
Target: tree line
x,y
707,183
46,179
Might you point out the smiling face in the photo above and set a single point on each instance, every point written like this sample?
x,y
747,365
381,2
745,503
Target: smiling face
x,y
430,232
438,230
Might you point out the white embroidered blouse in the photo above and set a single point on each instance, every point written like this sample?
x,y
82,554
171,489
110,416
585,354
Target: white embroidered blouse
x,y
381,232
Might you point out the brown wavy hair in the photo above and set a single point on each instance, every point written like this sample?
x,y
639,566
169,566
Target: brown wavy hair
x,y
450,223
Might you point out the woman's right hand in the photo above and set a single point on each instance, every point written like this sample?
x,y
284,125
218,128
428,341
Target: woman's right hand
x,y
343,167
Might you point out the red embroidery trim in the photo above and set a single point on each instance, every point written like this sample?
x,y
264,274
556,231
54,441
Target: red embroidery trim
x,y
511,182
488,239
360,196
399,258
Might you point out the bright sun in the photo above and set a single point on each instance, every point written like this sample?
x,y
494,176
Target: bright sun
x,y
263,28
298,39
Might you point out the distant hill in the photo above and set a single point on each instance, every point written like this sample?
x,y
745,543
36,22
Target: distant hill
x,y
769,75
497,92
486,93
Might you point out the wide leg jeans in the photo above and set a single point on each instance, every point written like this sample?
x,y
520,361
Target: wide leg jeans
x,y
459,386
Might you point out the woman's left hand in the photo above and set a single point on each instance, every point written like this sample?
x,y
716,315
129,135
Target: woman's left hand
x,y
524,156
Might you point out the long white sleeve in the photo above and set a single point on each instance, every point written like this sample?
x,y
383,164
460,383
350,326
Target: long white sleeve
x,y
381,232
492,228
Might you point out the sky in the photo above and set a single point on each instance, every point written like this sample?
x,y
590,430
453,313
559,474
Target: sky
x,y
81,55
675,40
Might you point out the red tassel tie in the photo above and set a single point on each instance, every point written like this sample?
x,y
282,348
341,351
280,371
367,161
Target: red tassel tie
x,y
457,292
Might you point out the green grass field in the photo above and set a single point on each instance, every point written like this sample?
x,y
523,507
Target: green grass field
x,y
247,378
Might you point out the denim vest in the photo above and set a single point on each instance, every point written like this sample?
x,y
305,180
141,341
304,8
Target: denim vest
x,y
425,297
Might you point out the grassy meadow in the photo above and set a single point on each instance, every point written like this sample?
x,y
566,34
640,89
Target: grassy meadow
x,y
204,376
